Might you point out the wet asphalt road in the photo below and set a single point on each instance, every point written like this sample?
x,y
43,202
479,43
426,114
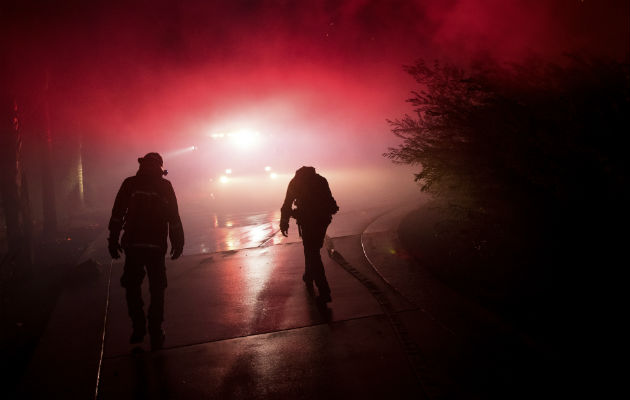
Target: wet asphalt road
x,y
209,232
241,324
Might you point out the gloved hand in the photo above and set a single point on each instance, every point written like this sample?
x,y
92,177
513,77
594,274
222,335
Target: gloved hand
x,y
284,228
114,248
176,252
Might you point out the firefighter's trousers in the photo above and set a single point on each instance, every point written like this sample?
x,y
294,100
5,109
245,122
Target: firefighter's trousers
x,y
137,259
313,234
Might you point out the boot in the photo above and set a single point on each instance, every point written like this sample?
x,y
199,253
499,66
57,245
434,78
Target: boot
x,y
324,298
137,336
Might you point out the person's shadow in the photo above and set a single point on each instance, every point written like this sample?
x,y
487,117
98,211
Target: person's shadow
x,y
150,382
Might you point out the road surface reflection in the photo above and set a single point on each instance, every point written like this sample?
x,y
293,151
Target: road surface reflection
x,y
208,232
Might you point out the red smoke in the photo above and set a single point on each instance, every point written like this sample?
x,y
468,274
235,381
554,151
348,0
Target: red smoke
x,y
161,71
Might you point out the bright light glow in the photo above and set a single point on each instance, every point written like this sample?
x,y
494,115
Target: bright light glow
x,y
80,176
259,233
228,171
195,147
273,175
215,221
267,168
174,153
224,179
244,139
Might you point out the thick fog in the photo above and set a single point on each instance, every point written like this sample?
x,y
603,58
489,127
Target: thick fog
x,y
256,89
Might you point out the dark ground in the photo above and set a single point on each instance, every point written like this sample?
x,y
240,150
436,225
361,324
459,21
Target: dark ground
x,y
500,268
27,298
559,284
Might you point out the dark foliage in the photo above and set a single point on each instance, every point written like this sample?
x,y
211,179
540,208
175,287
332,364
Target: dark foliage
x,y
526,149
496,132
527,165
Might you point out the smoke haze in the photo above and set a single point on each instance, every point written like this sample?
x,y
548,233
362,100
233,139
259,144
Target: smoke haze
x,y
317,80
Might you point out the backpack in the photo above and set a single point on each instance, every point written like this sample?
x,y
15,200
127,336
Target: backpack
x,y
313,198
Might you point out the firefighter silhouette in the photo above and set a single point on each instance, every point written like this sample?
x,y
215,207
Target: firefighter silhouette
x,y
310,193
146,209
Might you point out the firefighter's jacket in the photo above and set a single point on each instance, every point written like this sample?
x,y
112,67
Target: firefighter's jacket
x,y
311,195
146,209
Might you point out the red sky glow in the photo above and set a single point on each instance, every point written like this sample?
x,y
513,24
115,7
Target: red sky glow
x,y
321,77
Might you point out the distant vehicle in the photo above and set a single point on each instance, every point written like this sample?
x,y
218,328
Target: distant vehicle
x,y
242,154
230,166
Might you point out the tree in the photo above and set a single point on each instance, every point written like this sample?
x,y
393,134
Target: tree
x,y
495,137
49,204
14,189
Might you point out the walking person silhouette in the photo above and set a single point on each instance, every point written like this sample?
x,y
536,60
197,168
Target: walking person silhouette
x,y
146,209
315,204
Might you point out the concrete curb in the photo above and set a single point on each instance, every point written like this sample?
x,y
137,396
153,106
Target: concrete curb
x,y
385,227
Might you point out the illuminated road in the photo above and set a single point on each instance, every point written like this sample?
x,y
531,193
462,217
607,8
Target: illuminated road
x,y
241,324
208,232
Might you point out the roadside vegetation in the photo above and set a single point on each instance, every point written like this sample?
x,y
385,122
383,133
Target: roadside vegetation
x,y
526,166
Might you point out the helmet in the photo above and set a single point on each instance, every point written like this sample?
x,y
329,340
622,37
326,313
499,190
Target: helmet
x,y
305,171
155,157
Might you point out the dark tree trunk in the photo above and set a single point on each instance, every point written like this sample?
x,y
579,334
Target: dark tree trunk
x,y
15,200
48,185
